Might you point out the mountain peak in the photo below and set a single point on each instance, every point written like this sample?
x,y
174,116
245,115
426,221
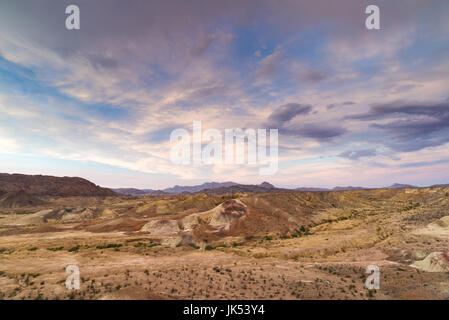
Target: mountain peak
x,y
267,185
400,185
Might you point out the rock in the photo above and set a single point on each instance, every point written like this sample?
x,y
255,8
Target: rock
x,y
221,218
441,223
434,262
161,227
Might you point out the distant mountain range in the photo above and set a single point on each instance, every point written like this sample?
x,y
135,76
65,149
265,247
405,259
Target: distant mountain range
x,y
393,186
208,187
132,191
39,185
399,186
232,187
192,189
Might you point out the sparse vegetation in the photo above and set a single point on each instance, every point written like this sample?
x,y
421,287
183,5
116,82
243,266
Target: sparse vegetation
x,y
193,245
109,245
56,248
75,248
259,265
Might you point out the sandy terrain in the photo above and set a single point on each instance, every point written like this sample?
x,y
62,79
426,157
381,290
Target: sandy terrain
x,y
298,245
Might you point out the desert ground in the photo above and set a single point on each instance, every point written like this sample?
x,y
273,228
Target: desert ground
x,y
281,245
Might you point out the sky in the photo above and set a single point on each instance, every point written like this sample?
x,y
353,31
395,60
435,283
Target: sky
x,y
353,106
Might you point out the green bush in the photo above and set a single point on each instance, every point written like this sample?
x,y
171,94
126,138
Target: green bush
x,y
75,248
55,249
194,245
146,245
110,245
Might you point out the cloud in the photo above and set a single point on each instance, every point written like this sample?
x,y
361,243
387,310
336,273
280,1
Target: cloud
x,y
398,108
284,119
355,155
287,112
112,91
333,105
267,65
313,76
412,126
99,61
317,131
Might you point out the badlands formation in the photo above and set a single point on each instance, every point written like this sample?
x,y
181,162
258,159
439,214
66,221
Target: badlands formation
x,y
273,245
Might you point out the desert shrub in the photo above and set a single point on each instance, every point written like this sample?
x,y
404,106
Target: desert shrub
x,y
146,245
75,248
55,249
193,245
32,249
208,247
110,245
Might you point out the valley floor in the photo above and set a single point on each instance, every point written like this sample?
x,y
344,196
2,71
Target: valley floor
x,y
322,254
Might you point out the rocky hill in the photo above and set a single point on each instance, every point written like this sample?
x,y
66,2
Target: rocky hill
x,y
16,199
39,185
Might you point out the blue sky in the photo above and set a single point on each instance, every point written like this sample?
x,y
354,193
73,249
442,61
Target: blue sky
x,y
353,106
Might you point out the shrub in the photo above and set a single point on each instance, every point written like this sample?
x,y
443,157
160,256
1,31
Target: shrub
x,y
75,248
110,245
194,245
146,245
208,247
32,249
55,249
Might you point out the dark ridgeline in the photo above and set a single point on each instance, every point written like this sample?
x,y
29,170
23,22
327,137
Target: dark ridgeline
x,y
39,185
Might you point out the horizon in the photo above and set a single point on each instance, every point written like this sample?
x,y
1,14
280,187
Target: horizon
x,y
353,107
239,183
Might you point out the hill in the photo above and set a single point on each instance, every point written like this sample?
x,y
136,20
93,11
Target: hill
x,y
19,198
39,185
